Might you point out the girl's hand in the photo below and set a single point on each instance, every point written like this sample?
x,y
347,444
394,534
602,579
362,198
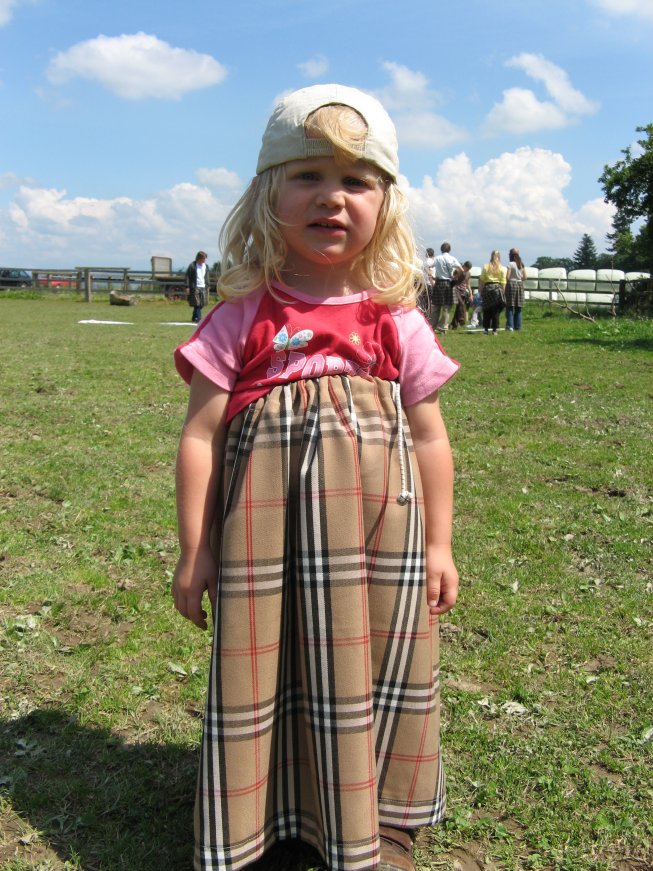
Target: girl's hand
x,y
196,573
441,579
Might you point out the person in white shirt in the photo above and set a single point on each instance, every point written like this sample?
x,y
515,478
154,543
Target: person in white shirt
x,y
442,297
197,285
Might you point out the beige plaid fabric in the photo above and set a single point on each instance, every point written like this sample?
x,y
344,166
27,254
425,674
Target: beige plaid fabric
x,y
322,713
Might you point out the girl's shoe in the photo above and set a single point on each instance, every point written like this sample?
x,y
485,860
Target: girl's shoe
x,y
396,849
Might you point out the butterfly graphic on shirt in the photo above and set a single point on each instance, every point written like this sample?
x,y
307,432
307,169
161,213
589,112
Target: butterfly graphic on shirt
x,y
284,341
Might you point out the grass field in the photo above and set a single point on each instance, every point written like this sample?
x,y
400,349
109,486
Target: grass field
x,y
547,659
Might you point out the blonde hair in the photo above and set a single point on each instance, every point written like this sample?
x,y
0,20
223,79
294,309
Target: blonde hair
x,y
494,266
252,244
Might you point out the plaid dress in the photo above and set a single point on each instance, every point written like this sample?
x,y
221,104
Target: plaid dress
x,y
322,714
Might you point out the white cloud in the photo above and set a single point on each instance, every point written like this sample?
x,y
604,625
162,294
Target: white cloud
x,y
426,130
411,102
136,67
556,81
408,90
636,8
6,10
517,198
175,223
9,180
520,111
219,178
514,199
315,67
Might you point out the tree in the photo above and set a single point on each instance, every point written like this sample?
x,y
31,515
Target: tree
x,y
549,262
586,254
628,185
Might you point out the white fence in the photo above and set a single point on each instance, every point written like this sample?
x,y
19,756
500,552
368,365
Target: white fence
x,y
587,287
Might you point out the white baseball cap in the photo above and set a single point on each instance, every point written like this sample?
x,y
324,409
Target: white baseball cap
x,y
285,136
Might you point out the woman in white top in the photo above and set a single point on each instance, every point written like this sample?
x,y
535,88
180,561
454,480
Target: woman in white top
x,y
514,290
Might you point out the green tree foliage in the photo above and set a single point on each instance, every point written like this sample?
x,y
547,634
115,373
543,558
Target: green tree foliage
x,y
586,255
549,262
628,185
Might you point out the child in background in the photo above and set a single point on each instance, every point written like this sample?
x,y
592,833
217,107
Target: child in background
x,y
314,482
477,313
462,294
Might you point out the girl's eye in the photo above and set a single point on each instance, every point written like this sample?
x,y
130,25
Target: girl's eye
x,y
354,182
308,176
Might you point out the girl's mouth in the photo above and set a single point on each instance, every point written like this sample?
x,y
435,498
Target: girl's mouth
x,y
327,225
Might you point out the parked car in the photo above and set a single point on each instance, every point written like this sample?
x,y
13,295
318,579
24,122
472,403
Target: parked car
x,y
15,278
53,281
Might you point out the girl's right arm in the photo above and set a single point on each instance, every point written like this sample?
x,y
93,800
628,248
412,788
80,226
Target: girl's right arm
x,y
199,466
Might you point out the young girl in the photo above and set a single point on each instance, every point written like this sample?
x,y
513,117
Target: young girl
x,y
491,285
514,290
324,549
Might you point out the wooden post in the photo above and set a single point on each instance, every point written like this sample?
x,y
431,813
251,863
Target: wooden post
x,y
87,284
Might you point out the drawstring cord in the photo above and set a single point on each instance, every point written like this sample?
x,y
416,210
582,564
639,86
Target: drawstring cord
x,y
405,496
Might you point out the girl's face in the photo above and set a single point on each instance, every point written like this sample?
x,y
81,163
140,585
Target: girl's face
x,y
327,213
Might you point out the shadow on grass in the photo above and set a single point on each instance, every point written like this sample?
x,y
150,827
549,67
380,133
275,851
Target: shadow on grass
x,y
613,343
103,802
111,804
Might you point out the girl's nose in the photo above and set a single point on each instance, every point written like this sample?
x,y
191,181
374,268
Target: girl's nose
x,y
330,195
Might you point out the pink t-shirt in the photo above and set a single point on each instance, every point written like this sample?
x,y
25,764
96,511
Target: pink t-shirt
x,y
250,345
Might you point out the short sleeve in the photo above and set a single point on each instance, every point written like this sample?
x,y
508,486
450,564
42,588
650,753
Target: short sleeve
x,y
216,347
423,367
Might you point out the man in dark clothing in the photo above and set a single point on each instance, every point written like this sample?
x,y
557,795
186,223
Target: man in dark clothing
x,y
197,285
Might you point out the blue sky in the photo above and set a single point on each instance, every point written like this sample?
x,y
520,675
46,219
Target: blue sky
x,y
130,128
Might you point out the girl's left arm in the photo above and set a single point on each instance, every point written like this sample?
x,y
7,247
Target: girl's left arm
x,y
433,453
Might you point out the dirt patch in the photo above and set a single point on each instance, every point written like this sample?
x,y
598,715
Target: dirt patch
x,y
469,857
469,686
91,629
603,662
633,865
19,841
600,772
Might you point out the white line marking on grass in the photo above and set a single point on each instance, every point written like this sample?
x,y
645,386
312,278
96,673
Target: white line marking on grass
x,y
161,323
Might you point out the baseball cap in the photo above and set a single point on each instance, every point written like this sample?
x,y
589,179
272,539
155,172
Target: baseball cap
x,y
285,137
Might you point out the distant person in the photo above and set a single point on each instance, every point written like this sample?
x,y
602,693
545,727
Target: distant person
x,y
492,285
477,311
429,268
443,296
462,294
514,290
424,298
197,285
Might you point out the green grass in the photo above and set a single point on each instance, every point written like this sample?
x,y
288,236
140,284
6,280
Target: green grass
x,y
547,662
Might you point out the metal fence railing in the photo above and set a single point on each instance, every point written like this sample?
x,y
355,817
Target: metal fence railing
x,y
580,288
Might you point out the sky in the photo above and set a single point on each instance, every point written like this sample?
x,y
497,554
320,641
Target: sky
x,y
129,129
